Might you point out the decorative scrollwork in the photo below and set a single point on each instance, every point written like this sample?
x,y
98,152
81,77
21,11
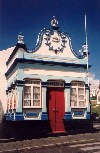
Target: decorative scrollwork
x,y
56,39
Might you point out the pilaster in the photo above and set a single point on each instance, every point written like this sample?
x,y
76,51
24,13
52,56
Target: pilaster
x,y
87,97
19,85
44,115
67,102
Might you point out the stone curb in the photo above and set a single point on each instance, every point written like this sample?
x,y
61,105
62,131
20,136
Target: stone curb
x,y
7,140
53,145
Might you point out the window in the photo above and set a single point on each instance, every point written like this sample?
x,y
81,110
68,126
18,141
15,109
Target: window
x,y
78,96
32,93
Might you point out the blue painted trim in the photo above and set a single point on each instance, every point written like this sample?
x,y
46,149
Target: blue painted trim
x,y
67,85
10,88
68,116
31,114
18,117
44,116
39,43
87,86
32,61
50,32
44,84
15,50
12,67
88,115
78,113
13,85
19,82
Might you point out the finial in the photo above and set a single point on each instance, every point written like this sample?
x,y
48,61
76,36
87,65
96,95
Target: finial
x,y
20,38
85,46
54,23
84,49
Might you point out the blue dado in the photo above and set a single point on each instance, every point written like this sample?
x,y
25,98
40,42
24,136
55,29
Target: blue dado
x,y
44,116
15,117
88,115
68,115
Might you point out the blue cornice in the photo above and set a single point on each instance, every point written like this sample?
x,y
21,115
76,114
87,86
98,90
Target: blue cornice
x,y
32,61
15,50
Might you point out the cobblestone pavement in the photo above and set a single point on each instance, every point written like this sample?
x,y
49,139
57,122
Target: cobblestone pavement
x,y
52,142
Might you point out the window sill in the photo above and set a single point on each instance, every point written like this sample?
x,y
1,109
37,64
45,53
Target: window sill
x,y
32,107
79,107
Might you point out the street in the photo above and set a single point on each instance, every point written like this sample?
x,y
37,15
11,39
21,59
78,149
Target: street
x,y
77,148
71,143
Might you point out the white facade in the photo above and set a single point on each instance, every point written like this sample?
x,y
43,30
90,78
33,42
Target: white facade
x,y
52,77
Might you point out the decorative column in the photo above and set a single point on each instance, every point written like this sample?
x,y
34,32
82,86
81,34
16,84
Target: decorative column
x,y
68,114
44,115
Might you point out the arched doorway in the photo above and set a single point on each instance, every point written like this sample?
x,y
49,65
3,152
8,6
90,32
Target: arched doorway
x,y
56,105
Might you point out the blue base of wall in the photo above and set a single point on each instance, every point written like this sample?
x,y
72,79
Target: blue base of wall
x,y
44,116
88,115
20,116
68,116
14,117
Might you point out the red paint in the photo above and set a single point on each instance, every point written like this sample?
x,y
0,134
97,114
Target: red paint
x,y
56,108
14,102
10,103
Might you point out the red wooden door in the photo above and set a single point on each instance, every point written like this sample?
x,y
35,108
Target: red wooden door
x,y
56,108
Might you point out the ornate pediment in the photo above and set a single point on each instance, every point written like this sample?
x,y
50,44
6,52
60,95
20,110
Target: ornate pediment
x,y
55,43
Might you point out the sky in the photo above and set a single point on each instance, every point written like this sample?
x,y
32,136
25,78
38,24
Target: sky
x,y
31,16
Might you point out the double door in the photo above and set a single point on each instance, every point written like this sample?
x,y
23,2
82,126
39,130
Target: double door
x,y
56,108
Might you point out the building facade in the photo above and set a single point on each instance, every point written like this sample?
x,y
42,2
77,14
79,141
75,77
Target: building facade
x,y
48,84
98,96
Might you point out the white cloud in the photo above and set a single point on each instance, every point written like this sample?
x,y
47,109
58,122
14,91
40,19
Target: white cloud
x,y
94,82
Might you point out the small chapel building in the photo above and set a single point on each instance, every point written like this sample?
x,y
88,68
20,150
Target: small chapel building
x,y
48,84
